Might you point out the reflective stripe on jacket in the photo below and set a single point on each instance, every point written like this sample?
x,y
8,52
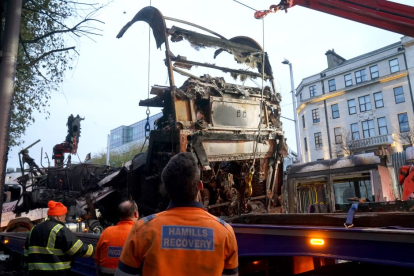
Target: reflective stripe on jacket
x,y
109,247
51,246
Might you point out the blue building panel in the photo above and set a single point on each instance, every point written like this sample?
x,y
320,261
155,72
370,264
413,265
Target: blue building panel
x,y
133,133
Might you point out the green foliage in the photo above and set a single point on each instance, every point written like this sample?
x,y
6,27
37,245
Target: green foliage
x,y
117,159
50,29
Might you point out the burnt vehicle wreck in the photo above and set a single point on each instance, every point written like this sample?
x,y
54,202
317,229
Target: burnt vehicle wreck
x,y
234,130
64,181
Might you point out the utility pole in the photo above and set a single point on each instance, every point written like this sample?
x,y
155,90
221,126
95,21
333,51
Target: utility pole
x,y
9,47
295,115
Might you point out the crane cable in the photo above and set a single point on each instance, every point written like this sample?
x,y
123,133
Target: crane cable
x,y
147,127
256,142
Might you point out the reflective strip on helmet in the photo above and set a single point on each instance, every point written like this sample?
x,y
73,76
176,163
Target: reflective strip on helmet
x,y
52,236
49,266
89,252
45,250
74,248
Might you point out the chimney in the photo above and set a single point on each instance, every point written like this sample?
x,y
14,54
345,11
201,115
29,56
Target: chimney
x,y
333,58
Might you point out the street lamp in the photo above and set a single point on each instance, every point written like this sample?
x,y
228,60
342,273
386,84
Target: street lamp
x,y
295,116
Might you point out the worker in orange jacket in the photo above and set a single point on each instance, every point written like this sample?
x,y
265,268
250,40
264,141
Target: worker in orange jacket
x,y
183,240
112,240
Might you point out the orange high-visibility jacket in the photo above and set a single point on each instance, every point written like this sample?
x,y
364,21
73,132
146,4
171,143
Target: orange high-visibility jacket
x,y
183,240
109,247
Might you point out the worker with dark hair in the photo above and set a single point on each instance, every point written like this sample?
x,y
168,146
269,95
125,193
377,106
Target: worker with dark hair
x,y
183,240
51,246
112,240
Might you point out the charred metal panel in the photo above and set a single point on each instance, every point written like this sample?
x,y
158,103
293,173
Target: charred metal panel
x,y
244,40
237,150
226,112
243,53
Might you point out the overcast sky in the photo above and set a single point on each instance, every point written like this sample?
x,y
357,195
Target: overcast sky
x,y
111,75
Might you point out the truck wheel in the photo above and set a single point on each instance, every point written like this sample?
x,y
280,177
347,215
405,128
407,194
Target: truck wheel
x,y
96,228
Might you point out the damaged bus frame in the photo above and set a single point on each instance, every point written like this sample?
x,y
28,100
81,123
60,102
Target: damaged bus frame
x,y
234,131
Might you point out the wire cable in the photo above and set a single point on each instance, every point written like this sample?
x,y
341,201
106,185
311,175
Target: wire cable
x,y
244,5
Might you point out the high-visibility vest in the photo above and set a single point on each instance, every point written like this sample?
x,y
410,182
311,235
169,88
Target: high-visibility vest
x,y
109,247
51,246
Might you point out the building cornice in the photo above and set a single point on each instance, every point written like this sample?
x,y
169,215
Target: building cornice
x,y
339,93
349,62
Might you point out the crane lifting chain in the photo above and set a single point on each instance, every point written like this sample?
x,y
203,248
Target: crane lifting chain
x,y
147,124
283,5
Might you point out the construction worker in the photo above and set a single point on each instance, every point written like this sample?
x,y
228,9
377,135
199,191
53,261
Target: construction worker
x,y
109,247
183,240
51,246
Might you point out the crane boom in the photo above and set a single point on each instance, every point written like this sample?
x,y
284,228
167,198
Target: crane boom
x,y
387,15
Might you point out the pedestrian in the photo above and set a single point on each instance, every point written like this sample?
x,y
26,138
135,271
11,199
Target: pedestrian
x,y
51,246
183,240
109,247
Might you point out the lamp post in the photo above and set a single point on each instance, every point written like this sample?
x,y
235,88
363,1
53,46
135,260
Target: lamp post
x,y
295,116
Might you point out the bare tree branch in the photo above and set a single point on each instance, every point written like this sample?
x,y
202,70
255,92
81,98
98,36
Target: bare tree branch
x,y
73,30
43,56
30,60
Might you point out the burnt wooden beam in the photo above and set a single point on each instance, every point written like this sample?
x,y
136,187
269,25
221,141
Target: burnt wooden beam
x,y
224,69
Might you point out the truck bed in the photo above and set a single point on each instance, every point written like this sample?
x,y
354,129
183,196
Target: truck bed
x,y
285,235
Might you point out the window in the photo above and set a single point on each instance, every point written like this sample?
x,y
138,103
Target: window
x,y
338,135
300,97
382,126
312,91
306,144
335,111
378,100
364,103
348,80
374,71
303,121
403,121
351,106
368,128
394,66
332,85
318,140
355,131
360,76
399,95
315,116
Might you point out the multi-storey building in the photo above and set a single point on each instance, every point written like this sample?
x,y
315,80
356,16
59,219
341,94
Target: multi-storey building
x,y
123,136
358,105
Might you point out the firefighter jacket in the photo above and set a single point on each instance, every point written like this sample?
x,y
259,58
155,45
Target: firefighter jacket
x,y
51,247
109,247
183,240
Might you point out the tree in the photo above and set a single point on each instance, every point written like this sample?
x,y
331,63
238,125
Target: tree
x,y
50,29
344,142
407,137
117,159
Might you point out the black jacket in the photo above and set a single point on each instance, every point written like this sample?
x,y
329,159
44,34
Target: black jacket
x,y
51,247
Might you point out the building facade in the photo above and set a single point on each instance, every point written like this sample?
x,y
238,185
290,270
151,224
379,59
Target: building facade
x,y
123,136
358,105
